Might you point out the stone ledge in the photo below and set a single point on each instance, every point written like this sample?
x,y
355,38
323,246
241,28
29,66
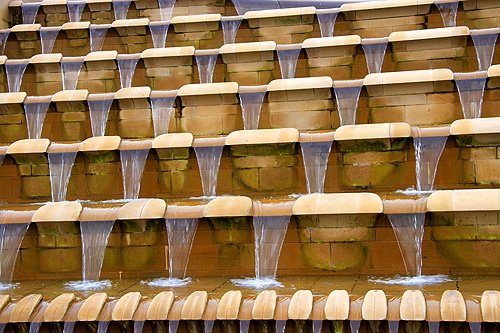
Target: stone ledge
x,y
263,136
270,13
373,131
428,34
65,211
338,203
464,200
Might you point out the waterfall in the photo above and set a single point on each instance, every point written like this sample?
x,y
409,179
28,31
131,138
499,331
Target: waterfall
x,y
208,162
75,10
288,56
166,9
280,326
244,326
230,26
60,165
315,156
159,31
470,88
205,61
138,326
317,326
180,234
4,36
102,326
326,20
428,151
11,237
97,34
161,109
70,70
99,106
95,236
120,8
35,109
15,71
484,42
172,326
29,11
126,67
48,37
133,162
69,327
347,97
374,49
251,99
393,326
448,12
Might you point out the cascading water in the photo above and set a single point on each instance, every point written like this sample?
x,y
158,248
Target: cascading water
x,y
208,326
374,49
347,97
60,165
4,35
35,327
102,326
244,326
180,234
97,34
138,326
120,8
317,326
173,325
354,325
327,19
280,326
208,162
166,9
159,31
35,109
133,162
126,67
99,106
288,56
230,26
428,151
470,88
448,10
11,236
95,236
205,61
251,99
15,71
48,37
484,42
75,10
315,156
433,327
161,109
70,70
29,11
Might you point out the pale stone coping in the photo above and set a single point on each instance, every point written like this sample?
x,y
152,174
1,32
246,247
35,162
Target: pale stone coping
x,y
141,209
262,136
159,23
347,83
470,75
125,307
264,305
4,300
184,211
16,216
133,92
488,31
25,27
402,36
490,303
160,306
163,93
374,305
286,47
452,306
100,25
46,58
427,132
247,47
63,211
338,203
195,18
182,51
136,144
13,97
252,89
100,143
130,23
320,82
464,200
83,25
375,5
231,18
327,10
194,306
56,28
316,136
494,71
101,96
273,208
99,1
337,305
228,206
3,59
209,142
405,206
173,140
99,214
301,305
58,307
426,75
372,41
17,61
92,306
28,146
38,99
269,13
412,306
229,305
101,55
70,95
198,89
63,147
54,2
206,52
128,56
23,309
310,43
373,131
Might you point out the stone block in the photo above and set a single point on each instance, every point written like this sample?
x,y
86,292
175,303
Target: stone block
x,y
277,179
35,187
66,260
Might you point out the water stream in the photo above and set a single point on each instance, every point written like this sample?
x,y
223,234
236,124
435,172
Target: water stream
x,y
173,325
470,88
4,36
288,56
433,327
374,49
315,156
35,327
230,26
485,41
166,9
354,324
251,104
280,326
133,162
48,37
475,327
29,11
159,31
97,34
138,326
70,70
75,10
95,236
15,71
126,66
120,8
428,151
69,327
208,162
347,97
393,326
99,111
102,326
245,326
326,20
11,236
448,12
317,326
208,326
180,234
60,165
205,61
35,109
161,109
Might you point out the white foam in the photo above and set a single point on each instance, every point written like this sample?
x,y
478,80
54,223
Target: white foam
x,y
413,191
168,282
8,286
88,285
254,283
414,280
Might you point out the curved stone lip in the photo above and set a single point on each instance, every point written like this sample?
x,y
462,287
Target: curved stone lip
x,y
452,306
18,61
209,142
179,51
231,18
101,96
125,23
25,27
173,140
286,47
412,306
46,58
99,25
307,137
195,18
82,25
57,308
99,214
487,31
317,42
126,306
176,211
373,131
319,82
301,305
55,28
252,89
470,75
92,307
372,41
70,95
229,206
205,52
101,55
199,89
374,305
128,56
38,99
427,132
347,83
375,5
405,206
10,216
270,13
23,309
337,305
140,209
163,93
133,93
160,306
63,147
428,34
13,97
136,144
63,211
247,47
264,305
159,23
194,306
489,303
262,136
475,126
229,305
28,146
425,75
468,200
100,143
273,207
338,203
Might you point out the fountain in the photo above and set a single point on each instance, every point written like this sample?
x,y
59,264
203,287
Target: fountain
x,y
29,11
280,326
138,326
97,34
159,31
393,326
208,153
205,61
126,67
173,325
99,106
326,20
448,10
70,70
315,152
288,55
35,327
75,9
133,156
120,8
484,41
69,327
208,326
374,49
317,326
35,109
230,26
162,106
470,88
61,159
48,37
244,326
166,9
251,98
102,327
15,71
4,36
347,97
